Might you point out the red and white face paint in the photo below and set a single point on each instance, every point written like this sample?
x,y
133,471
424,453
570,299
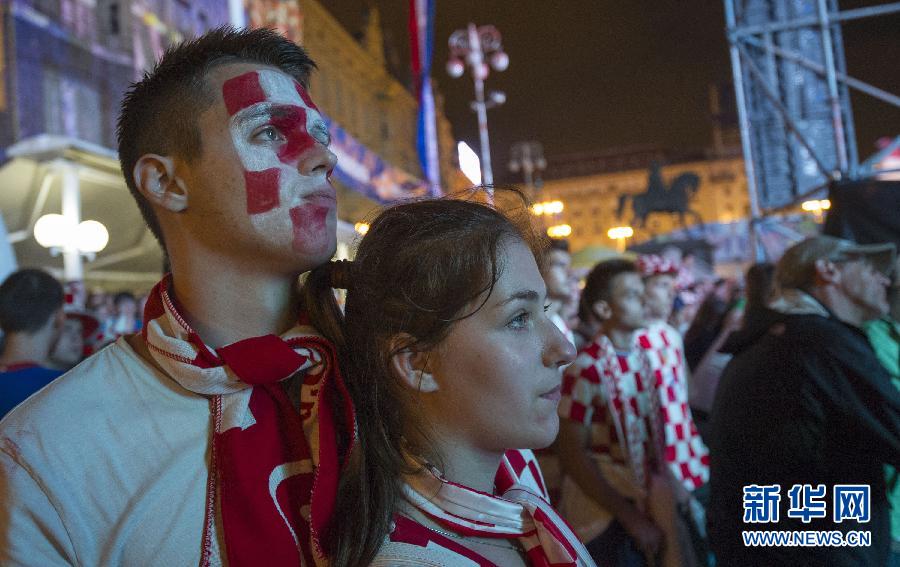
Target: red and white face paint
x,y
275,128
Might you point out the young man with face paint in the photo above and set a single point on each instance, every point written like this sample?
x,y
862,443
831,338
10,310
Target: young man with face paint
x,y
185,444
200,440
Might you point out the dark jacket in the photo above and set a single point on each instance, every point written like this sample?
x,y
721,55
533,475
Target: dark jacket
x,y
803,401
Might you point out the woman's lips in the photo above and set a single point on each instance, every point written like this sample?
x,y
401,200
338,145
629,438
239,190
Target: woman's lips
x,y
553,395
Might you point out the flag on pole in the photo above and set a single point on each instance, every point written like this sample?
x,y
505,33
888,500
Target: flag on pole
x,y
421,34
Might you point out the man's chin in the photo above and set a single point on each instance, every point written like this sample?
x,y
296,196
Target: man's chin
x,y
311,260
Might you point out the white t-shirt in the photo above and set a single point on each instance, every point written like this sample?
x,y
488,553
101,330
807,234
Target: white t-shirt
x,y
107,465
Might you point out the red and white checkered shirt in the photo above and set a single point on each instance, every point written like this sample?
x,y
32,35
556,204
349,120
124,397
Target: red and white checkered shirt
x,y
601,379
687,456
520,466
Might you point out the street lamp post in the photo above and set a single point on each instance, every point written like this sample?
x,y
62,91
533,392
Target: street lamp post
x,y
528,157
66,233
620,234
472,46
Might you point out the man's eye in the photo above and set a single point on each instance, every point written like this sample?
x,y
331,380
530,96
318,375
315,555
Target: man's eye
x,y
320,134
268,134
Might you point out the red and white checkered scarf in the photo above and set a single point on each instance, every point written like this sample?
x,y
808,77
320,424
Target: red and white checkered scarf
x,y
273,470
519,513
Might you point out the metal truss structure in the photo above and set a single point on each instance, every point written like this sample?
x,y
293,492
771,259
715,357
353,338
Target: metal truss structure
x,y
792,92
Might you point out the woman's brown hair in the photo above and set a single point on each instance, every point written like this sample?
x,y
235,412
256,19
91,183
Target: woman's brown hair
x,y
421,267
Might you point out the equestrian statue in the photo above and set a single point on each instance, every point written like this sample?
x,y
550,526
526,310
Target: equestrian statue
x,y
659,198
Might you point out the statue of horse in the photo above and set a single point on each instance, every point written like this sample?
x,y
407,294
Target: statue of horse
x,y
659,198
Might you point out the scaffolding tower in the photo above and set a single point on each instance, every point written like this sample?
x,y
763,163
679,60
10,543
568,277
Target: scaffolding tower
x,y
792,92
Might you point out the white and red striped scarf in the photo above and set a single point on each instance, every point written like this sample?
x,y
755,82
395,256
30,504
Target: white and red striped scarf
x,y
273,470
519,513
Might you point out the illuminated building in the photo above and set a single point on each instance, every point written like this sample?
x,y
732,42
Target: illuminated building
x,y
590,186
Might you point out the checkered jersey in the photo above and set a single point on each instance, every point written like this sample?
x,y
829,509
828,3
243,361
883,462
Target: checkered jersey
x,y
687,456
608,392
520,466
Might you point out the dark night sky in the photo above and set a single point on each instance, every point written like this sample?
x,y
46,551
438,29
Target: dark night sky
x,y
596,74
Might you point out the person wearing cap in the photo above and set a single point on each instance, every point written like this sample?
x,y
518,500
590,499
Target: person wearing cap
x,y
684,452
803,403
31,317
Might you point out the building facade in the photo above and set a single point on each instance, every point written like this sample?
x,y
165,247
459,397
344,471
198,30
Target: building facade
x,y
592,188
67,63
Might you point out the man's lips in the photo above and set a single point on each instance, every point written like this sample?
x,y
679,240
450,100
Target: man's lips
x,y
324,194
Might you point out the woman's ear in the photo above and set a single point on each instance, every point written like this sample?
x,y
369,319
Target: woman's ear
x,y
154,176
411,367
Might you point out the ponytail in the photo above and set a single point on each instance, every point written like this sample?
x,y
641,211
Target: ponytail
x,y
319,301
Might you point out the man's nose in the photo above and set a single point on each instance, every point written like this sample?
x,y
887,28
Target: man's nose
x,y
317,160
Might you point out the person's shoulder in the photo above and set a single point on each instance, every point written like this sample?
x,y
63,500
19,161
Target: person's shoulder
x,y
411,543
77,392
824,332
826,340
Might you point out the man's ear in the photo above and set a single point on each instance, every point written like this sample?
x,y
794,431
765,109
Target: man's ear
x,y
602,310
59,320
827,271
154,176
411,367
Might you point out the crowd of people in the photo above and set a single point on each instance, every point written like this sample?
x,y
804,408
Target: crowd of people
x,y
241,415
48,327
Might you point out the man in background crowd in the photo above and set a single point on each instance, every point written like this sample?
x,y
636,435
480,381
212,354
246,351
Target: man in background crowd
x,y
606,442
685,453
557,278
805,409
31,317
704,379
82,334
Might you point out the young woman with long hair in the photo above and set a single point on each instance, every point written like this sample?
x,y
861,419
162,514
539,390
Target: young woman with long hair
x,y
450,360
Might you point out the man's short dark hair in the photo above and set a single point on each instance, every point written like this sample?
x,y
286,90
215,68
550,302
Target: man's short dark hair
x,y
598,284
28,298
159,112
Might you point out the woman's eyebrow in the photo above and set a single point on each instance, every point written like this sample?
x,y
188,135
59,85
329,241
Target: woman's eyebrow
x,y
523,295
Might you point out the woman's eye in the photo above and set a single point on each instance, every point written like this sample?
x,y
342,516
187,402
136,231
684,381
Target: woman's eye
x,y
520,321
547,308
